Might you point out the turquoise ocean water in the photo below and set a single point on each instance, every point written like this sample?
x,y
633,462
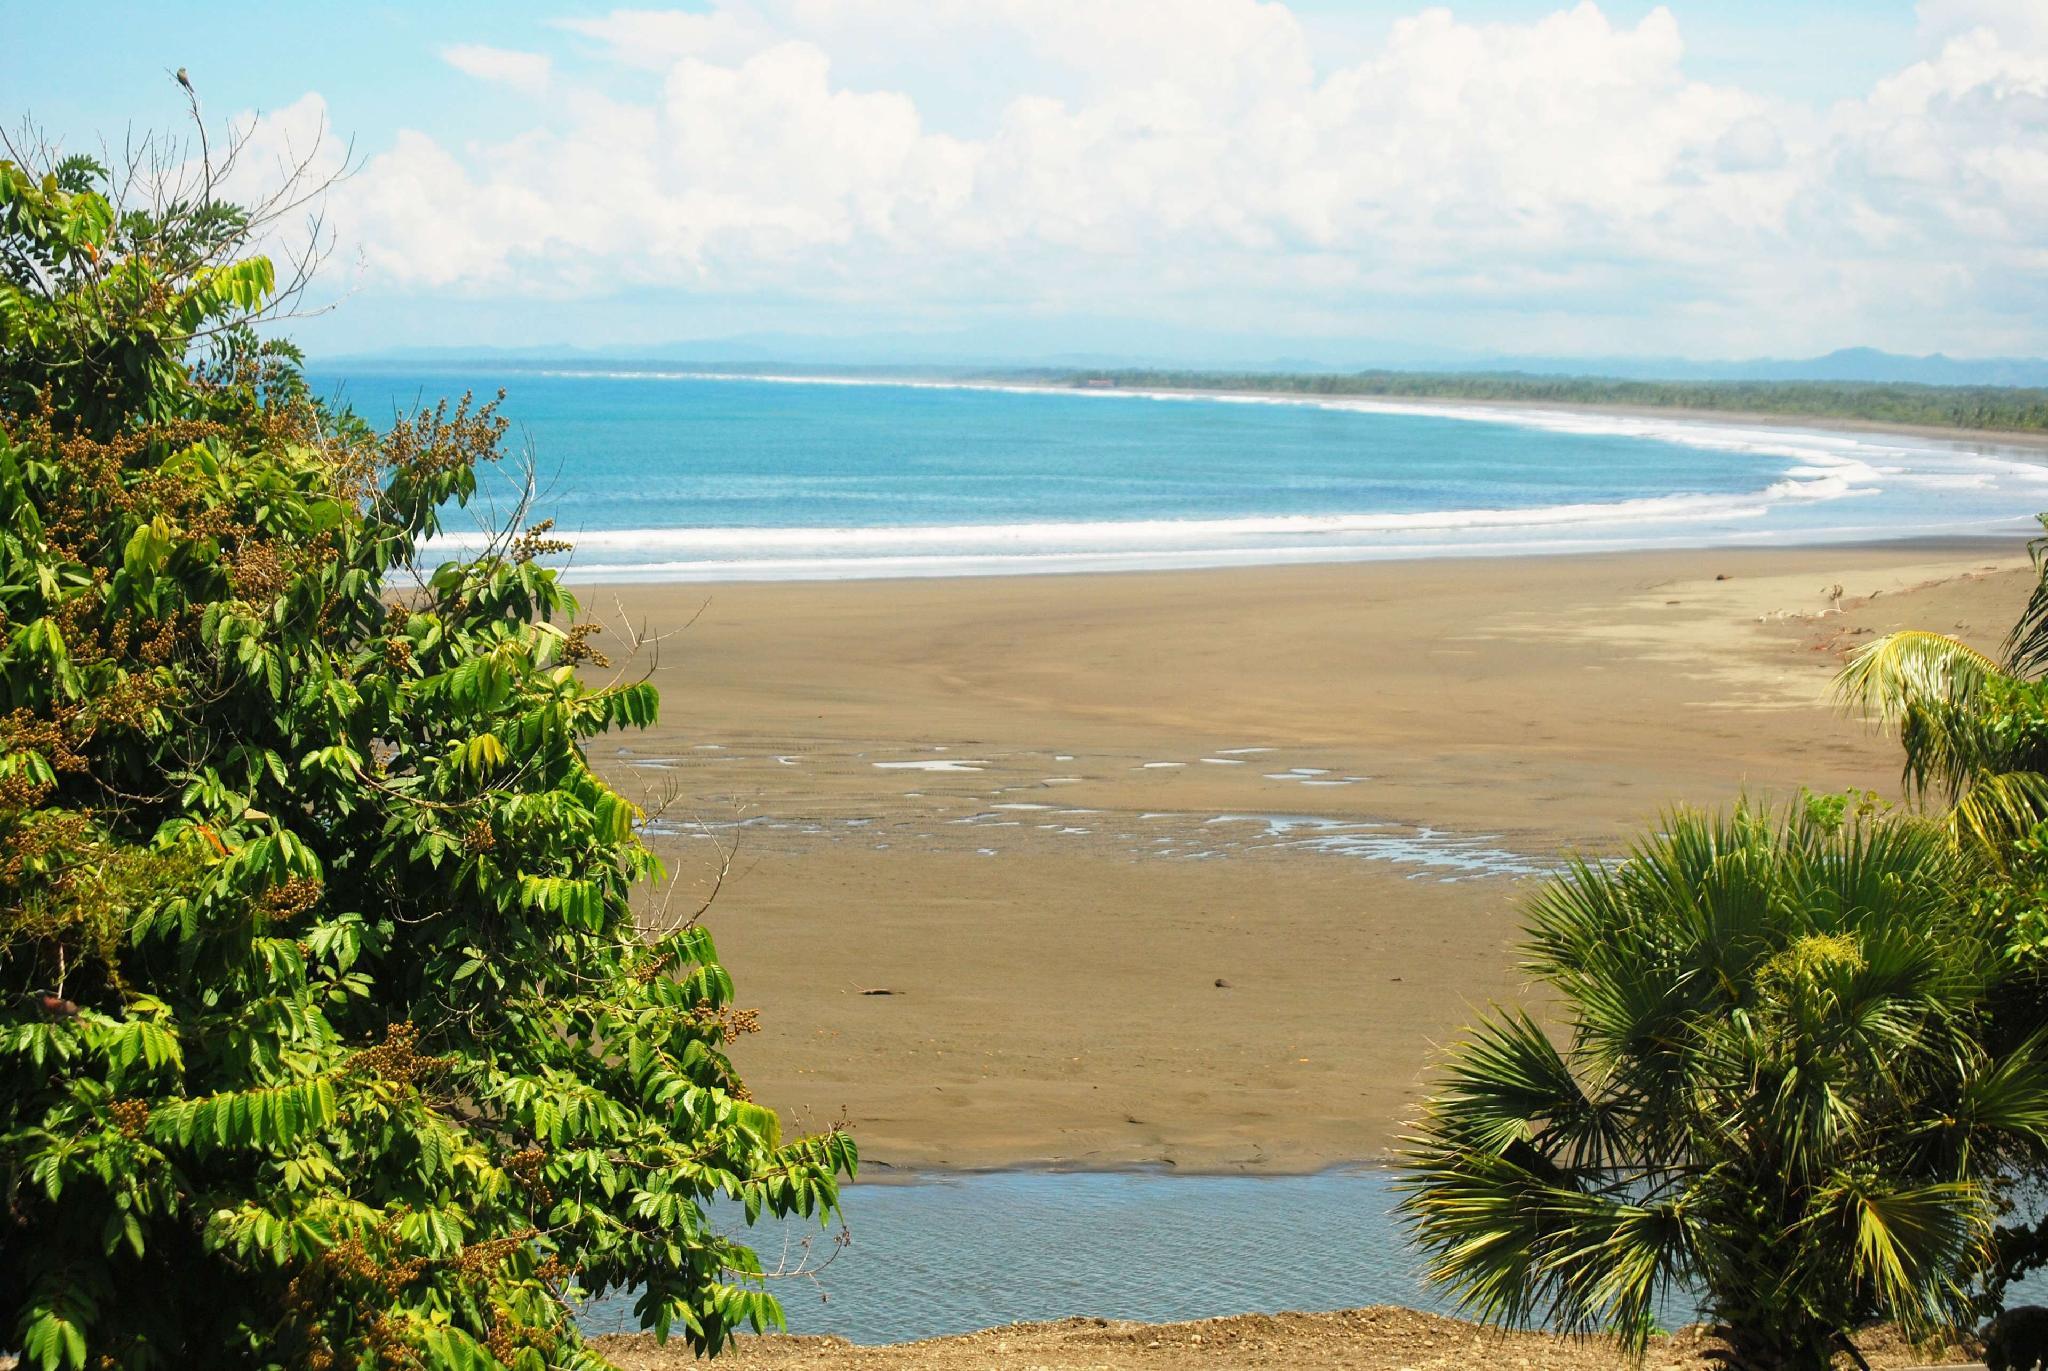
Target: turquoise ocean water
x,y
673,476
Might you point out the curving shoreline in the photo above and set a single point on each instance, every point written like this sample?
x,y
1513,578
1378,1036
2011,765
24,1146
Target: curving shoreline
x,y
1380,480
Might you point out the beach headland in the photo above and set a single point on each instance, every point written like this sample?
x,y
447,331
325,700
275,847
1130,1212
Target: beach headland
x,y
1193,869
1962,435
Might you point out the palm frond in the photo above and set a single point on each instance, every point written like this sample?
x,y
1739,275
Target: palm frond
x,y
1513,1245
2026,647
2000,807
1918,1246
1614,1261
1901,868
1772,1086
1890,675
1506,1084
1948,746
2008,1096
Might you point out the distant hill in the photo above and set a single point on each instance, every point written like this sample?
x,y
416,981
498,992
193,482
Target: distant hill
x,y
928,354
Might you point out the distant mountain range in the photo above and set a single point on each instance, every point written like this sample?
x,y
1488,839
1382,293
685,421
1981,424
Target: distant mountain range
x,y
925,354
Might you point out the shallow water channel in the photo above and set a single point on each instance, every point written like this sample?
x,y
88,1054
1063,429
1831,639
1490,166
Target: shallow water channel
x,y
942,1254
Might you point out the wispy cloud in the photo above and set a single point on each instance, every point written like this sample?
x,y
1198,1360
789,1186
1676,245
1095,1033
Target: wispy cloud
x,y
525,71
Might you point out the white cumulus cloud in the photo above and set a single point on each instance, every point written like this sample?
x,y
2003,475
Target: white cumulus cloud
x,y
1196,160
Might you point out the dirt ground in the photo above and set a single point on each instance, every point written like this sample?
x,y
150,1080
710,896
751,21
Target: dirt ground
x,y
1382,1338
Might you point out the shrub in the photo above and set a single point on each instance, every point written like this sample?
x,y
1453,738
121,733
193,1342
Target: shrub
x,y
327,1033
1774,1093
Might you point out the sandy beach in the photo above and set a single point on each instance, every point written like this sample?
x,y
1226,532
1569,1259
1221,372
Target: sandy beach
x,y
1194,869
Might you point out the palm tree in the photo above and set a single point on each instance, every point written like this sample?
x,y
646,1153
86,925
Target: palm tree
x,y
1771,1095
1974,728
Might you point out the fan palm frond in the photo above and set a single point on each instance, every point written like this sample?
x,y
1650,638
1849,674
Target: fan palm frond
x,y
1508,1089
1912,1241
2009,1095
1512,1245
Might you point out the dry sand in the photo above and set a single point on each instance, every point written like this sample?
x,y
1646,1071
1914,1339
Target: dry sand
x,y
1376,1339
1054,905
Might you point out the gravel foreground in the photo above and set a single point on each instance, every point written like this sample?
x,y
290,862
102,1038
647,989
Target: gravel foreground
x,y
1382,1338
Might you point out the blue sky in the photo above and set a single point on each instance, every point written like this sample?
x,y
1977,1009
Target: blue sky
x,y
1190,178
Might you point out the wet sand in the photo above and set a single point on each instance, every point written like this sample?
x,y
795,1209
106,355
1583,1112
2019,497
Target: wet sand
x,y
1050,814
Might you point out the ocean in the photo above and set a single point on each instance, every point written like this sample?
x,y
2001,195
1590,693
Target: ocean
x,y
681,476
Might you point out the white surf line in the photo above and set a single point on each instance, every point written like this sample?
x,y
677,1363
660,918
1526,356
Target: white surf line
x,y
948,764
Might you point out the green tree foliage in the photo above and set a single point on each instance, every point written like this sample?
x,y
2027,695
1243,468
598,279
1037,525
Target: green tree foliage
x,y
327,1034
1773,1091
1974,728
2014,408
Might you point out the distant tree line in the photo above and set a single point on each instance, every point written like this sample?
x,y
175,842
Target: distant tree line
x,y
2007,408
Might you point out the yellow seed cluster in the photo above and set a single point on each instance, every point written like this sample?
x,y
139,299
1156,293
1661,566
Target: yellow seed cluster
x,y
481,1260
289,899
130,1116
257,572
351,1259
525,1166
731,1023
506,1337
397,1058
578,648
536,542
387,1340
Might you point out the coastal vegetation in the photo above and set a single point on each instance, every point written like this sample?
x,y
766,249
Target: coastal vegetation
x,y
1777,1092
1974,734
1974,729
329,1034
2010,408
1805,1071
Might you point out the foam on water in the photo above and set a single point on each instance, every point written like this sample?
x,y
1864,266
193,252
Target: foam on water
x,y
1464,854
943,764
680,476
